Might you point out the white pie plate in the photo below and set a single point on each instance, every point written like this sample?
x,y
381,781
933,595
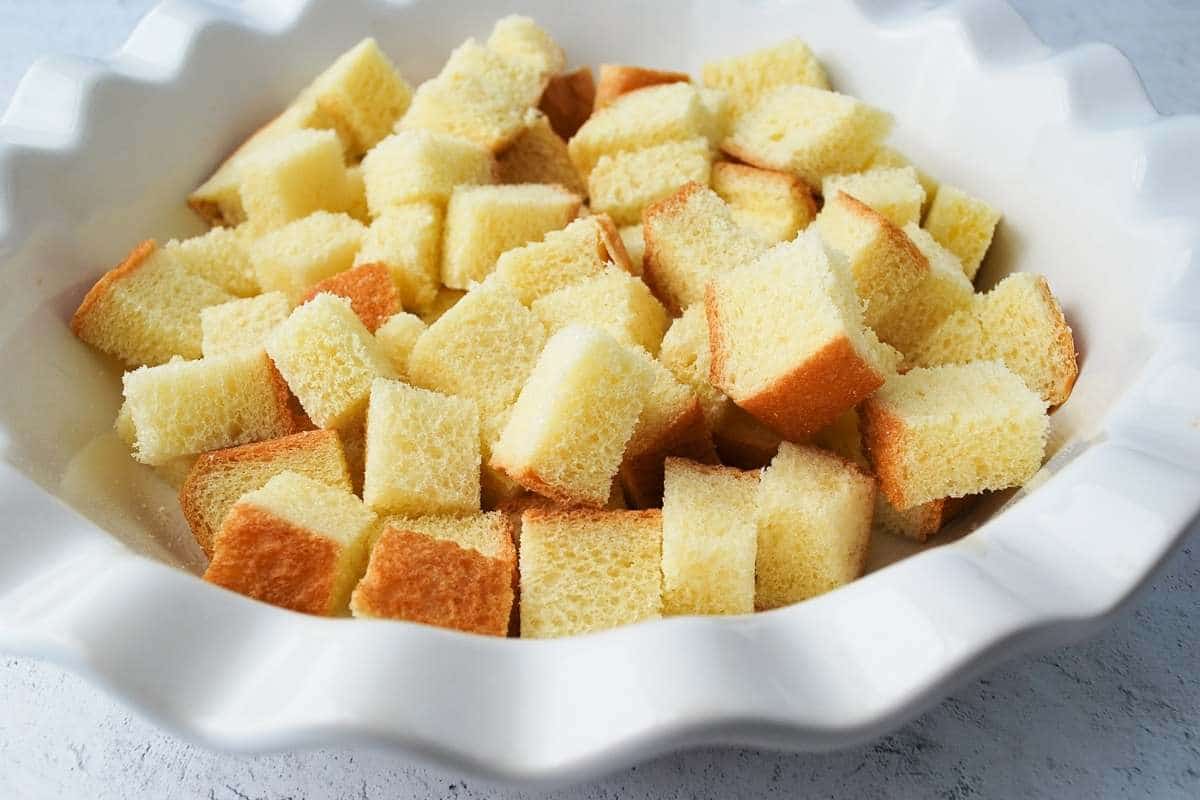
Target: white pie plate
x,y
1099,193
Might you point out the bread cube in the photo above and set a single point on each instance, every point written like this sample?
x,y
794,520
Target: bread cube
x,y
691,237
635,247
242,323
623,184
417,166
749,76
422,451
808,132
219,478
368,287
295,176
443,301
356,192
887,157
893,192
397,336
1018,322
685,352
613,301
884,263
584,570
495,487
774,205
719,109
744,442
407,240
303,253
919,522
185,407
361,95
562,258
574,416
788,341
568,99
222,256
963,225
519,38
146,309
296,543
814,525
539,155
484,221
618,79
953,430
329,359
709,539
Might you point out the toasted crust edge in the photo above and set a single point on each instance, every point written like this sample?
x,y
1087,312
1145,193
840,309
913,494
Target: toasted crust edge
x,y
883,436
534,482
652,268
132,262
612,244
1066,358
369,288
618,79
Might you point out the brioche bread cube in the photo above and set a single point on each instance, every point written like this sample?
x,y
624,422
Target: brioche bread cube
x,y
685,352
396,338
329,359
744,442
422,451
479,95
808,132
492,534
296,543
618,79
885,264
519,38
185,407
613,301
623,184
443,301
1019,322
953,430
219,478
564,257
539,155
749,76
303,253
295,176
774,205
242,323
894,192
584,570
484,221
691,237
787,339
814,525
407,240
146,309
635,247
963,225
361,95
368,287
415,166
710,539
574,416
222,256
887,157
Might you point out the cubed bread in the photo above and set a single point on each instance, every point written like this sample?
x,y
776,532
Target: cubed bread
x,y
618,79
361,95
484,221
691,237
303,253
574,416
814,525
888,157
219,478
774,205
495,487
584,570
539,155
963,225
295,176
369,288
296,543
419,166
564,257
623,184
443,301
396,338
613,301
185,407
479,95
919,522
749,76
356,191
407,240
635,246
953,430
146,309
242,323
519,38
808,132
568,100
894,192
222,256
788,341
685,352
422,451
884,263
329,359
1019,322
709,539
744,442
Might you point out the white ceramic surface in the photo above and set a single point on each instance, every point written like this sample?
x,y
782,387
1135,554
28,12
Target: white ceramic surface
x,y
1098,193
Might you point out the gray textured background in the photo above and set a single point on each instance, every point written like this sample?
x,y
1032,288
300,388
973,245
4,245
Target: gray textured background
x,y
1115,717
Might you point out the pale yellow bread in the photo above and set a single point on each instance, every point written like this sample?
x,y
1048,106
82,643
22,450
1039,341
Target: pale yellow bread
x,y
962,224
618,79
297,256
685,352
749,76
368,287
295,176
894,192
613,301
220,255
242,323
539,155
635,247
407,239
491,534
397,336
623,184
773,205
568,99
887,157
563,257
356,192
519,38
417,166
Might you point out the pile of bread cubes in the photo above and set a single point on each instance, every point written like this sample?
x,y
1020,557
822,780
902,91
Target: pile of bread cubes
x,y
521,353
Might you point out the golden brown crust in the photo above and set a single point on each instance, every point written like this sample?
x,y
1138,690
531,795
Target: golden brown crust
x,y
287,405
420,578
262,556
534,482
1066,360
897,239
568,99
618,79
798,189
209,211
133,262
612,246
883,442
369,288
652,267
687,436
731,148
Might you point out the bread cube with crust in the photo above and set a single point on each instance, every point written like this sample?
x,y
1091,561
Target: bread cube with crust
x,y
613,301
296,175
749,76
635,247
888,157
618,79
894,192
519,38
305,252
562,258
360,96
419,166
962,224
370,290
407,239
245,322
774,205
685,352
623,184
539,155
222,256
